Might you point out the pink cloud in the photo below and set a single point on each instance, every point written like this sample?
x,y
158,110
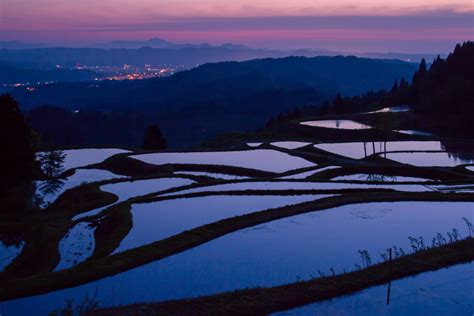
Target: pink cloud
x,y
242,21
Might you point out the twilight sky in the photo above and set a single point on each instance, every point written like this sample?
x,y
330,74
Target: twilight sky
x,y
346,25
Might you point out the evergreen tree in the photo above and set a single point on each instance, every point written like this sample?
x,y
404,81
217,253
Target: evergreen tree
x,y
446,91
52,162
417,80
338,104
153,139
17,159
394,89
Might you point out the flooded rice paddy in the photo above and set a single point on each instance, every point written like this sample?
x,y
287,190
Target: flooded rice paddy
x,y
290,145
270,254
220,176
298,185
430,159
49,190
358,150
260,159
76,246
129,189
448,291
304,175
378,178
158,220
337,124
393,109
273,253
414,132
253,145
8,253
76,158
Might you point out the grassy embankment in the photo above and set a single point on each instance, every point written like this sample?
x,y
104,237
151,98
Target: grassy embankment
x,y
262,301
106,266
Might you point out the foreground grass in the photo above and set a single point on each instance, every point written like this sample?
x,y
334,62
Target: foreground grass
x,y
260,301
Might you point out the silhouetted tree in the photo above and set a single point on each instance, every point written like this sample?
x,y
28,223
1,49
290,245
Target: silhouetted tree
x,y
394,89
52,162
17,159
417,81
338,104
445,93
153,139
442,96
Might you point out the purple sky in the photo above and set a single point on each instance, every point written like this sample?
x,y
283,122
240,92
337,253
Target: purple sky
x,y
347,25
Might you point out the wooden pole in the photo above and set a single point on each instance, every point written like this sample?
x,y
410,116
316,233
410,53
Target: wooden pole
x,y
390,273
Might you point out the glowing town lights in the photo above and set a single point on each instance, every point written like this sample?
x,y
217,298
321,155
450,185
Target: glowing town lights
x,y
122,72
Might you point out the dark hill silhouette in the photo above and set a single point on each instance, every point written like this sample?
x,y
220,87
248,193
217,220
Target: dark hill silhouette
x,y
214,98
11,74
442,95
221,83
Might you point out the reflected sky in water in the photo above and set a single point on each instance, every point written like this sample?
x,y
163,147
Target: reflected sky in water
x,y
261,159
290,145
129,189
437,159
155,221
269,254
448,291
8,253
220,176
49,190
338,124
299,185
76,246
358,150
76,158
378,177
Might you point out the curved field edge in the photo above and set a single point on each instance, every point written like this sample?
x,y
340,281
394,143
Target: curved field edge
x,y
43,231
260,301
99,268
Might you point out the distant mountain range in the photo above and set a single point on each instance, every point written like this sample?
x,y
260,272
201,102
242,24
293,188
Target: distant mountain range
x,y
159,51
155,42
186,56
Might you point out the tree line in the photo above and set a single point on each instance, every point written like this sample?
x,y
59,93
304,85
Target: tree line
x,y
19,161
442,93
